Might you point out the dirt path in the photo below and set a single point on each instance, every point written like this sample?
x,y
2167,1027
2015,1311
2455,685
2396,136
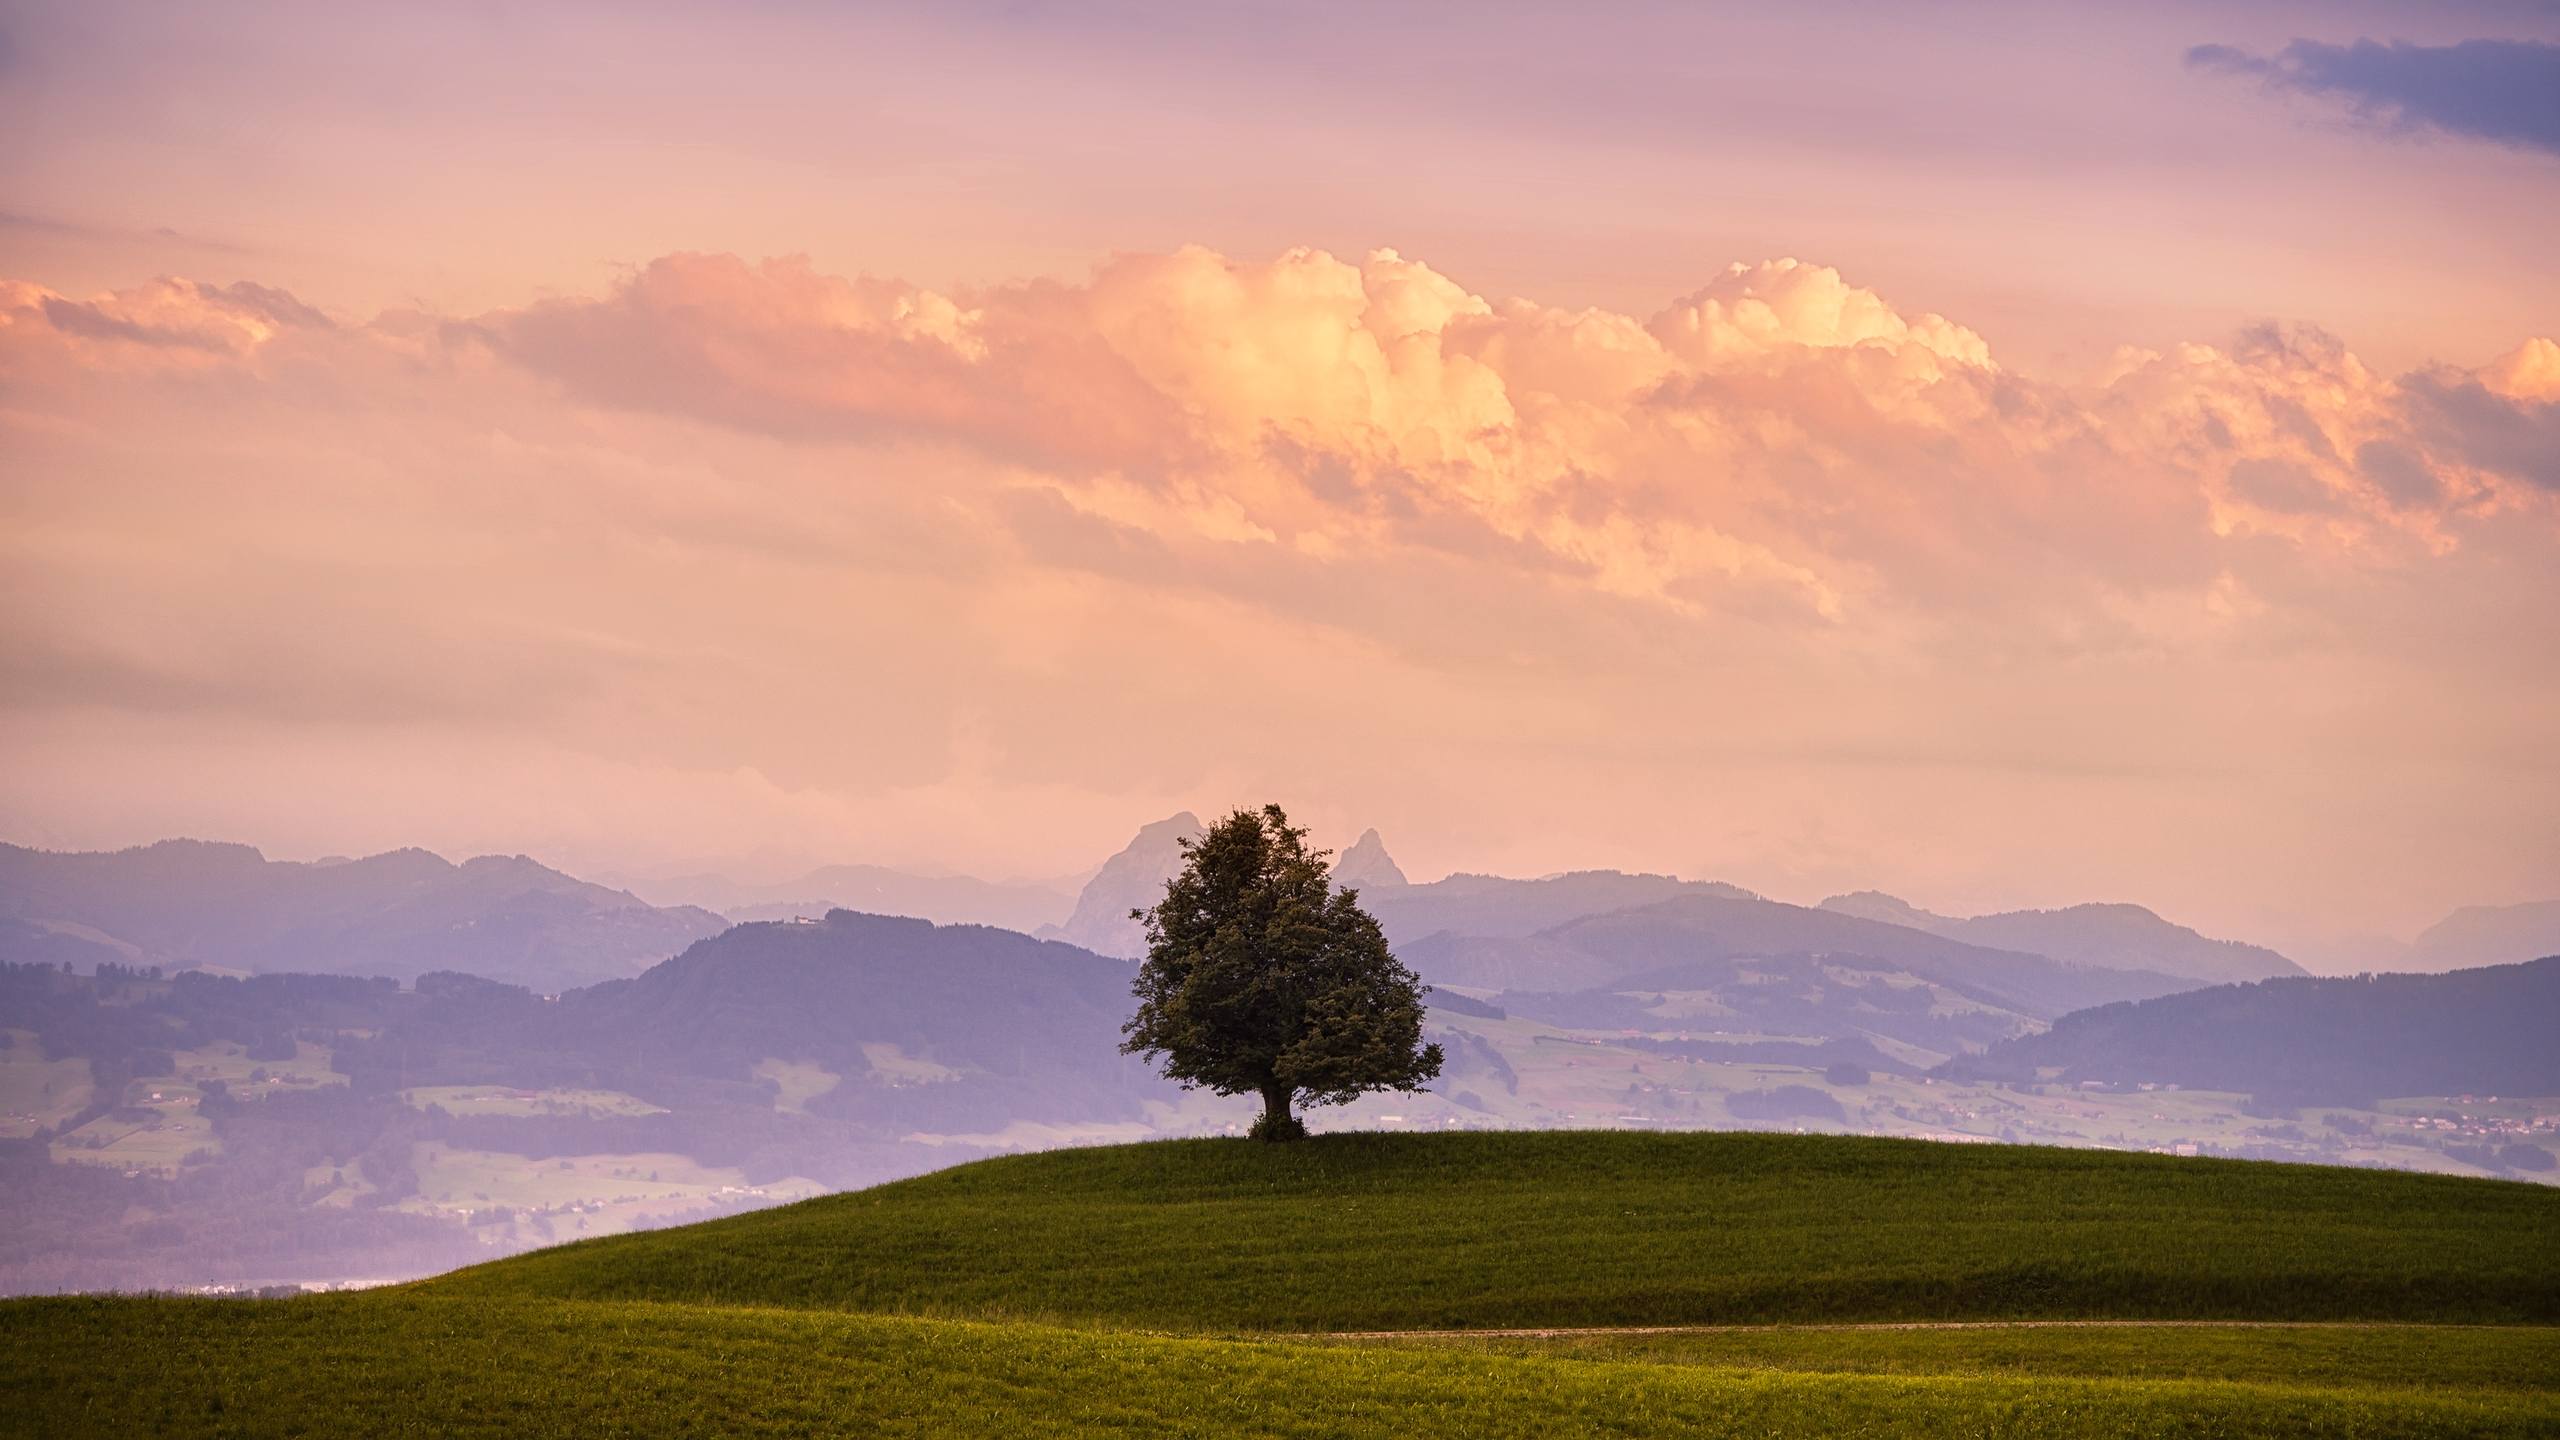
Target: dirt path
x,y
1570,1332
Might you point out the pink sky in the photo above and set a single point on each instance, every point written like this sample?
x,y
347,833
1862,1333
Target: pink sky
x,y
1971,452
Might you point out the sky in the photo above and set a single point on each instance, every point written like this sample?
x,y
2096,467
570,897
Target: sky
x,y
2005,455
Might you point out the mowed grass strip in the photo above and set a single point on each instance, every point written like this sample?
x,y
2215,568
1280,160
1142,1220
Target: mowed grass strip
x,y
1377,1232
394,1364
2361,1356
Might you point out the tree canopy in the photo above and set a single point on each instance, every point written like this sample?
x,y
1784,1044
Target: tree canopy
x,y
1261,978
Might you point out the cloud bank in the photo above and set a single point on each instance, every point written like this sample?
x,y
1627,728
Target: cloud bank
x,y
2507,91
1779,579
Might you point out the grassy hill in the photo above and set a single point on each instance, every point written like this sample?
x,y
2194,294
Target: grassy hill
x,y
1376,1232
1034,1295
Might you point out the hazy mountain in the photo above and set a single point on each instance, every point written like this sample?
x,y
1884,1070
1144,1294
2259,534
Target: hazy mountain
x,y
1131,880
1482,906
189,903
1890,909
1707,966
2488,935
1505,962
1367,867
1648,946
874,890
949,1027
1698,969
2332,952
762,1062
2346,1040
2119,937
1604,930
24,942
1490,906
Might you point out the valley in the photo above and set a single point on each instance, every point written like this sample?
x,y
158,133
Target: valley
x,y
195,1129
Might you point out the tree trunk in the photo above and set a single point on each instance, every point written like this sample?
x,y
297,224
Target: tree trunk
x,y
1276,1121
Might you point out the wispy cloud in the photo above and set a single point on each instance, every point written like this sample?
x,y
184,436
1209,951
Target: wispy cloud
x,y
2507,91
54,225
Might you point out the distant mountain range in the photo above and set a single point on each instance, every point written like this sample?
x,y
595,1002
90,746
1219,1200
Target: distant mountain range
x,y
407,912
1651,946
1493,932
1723,966
194,904
1636,952
923,1027
2488,935
873,890
2348,1040
1492,907
851,1047
2121,937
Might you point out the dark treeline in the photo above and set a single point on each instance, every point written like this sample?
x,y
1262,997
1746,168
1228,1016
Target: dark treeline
x,y
2345,1041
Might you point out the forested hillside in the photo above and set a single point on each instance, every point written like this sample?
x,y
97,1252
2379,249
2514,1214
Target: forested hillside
x,y
2342,1041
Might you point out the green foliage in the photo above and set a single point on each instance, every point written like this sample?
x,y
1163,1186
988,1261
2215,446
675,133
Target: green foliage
x,y
1261,978
408,1364
1378,1232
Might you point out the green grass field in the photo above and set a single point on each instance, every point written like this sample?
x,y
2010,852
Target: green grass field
x,y
36,1093
158,1126
2519,1358
417,1364
1360,1232
256,1079
1167,1290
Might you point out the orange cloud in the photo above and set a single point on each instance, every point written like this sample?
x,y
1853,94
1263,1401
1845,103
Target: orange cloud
x,y
1778,534
1778,430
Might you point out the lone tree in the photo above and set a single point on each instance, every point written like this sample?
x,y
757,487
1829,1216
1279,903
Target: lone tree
x,y
1262,978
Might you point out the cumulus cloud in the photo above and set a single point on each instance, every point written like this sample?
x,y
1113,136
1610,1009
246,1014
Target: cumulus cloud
x,y
1753,311
1781,436
1197,524
778,346
2497,435
228,321
2507,91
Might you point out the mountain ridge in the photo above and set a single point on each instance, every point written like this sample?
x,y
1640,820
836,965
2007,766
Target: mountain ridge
x,y
2114,934
2347,1040
1132,879
2488,935
403,913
